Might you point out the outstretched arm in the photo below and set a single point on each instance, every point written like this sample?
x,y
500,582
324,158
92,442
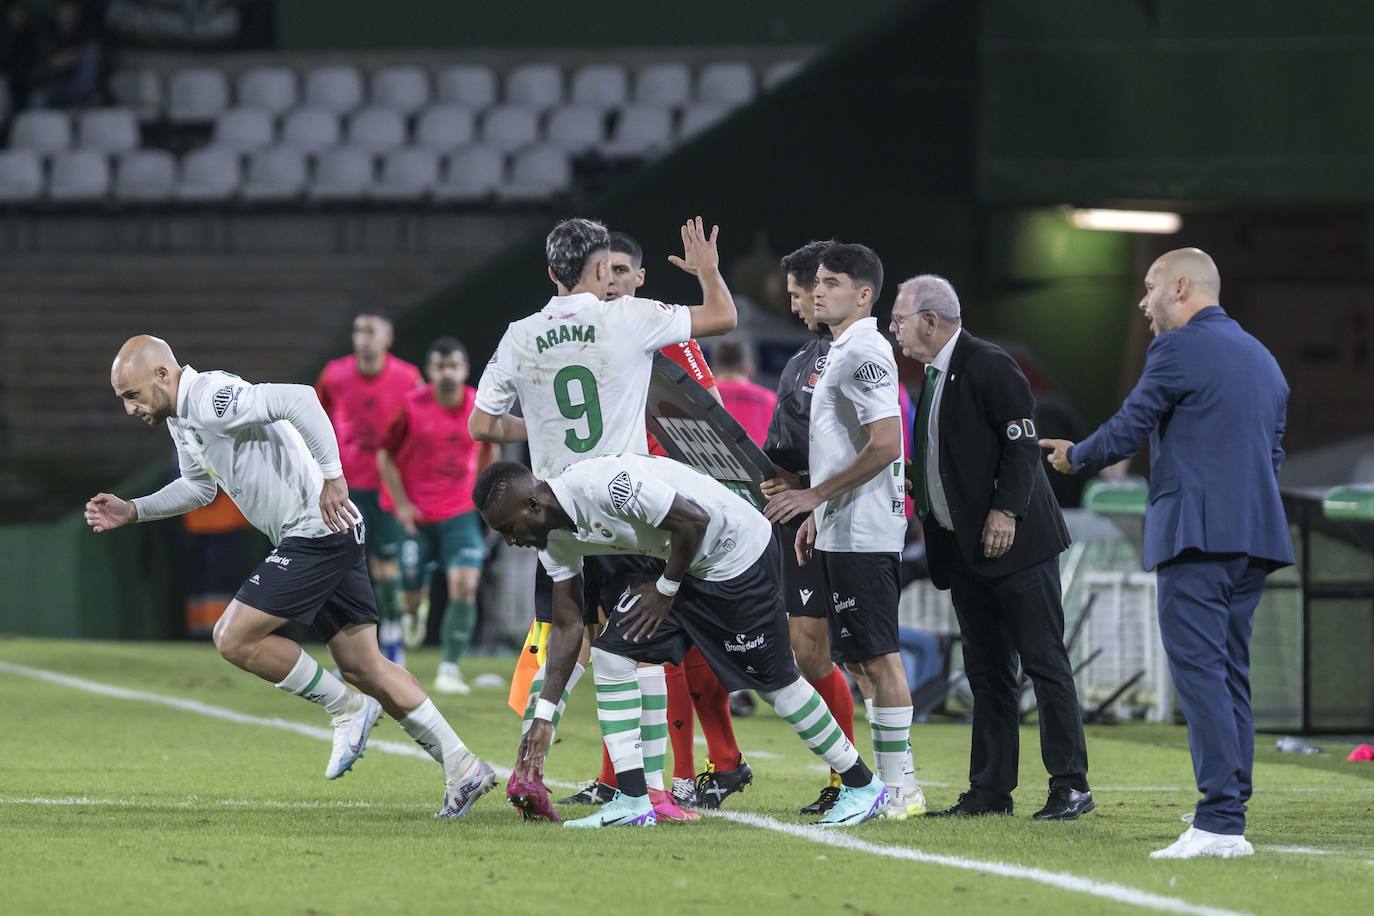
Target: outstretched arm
x,y
716,314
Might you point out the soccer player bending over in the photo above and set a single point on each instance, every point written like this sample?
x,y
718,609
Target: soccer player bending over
x,y
272,449
718,590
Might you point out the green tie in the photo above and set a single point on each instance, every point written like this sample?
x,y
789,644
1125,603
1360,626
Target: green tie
x,y
922,442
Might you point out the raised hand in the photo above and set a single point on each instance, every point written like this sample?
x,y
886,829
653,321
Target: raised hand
x,y
698,250
1059,454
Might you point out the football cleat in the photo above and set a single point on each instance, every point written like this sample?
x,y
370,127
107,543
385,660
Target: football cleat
x,y
685,792
620,811
909,802
824,803
462,793
530,797
667,810
593,793
351,729
714,786
854,806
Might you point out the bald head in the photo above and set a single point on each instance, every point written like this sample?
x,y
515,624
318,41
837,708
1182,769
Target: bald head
x,y
1178,285
145,375
1195,266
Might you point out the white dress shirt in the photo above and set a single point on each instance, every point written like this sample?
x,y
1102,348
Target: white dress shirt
x,y
939,506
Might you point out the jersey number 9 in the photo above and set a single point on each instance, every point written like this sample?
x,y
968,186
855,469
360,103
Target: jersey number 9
x,y
586,406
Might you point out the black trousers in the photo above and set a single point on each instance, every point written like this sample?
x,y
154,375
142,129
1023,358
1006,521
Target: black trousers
x,y
1017,614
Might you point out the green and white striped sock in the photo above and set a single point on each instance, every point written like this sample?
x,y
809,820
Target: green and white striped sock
x,y
309,680
618,708
653,723
537,687
891,727
810,718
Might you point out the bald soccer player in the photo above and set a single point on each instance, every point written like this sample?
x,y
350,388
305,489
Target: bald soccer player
x,y
1213,402
272,449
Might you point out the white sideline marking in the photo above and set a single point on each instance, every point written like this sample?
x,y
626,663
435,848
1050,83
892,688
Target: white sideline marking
x,y
193,801
1065,881
1299,850
1062,880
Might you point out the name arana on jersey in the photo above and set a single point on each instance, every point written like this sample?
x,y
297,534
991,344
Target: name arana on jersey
x,y
577,333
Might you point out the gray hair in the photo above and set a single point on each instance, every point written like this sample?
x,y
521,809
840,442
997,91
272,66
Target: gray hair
x,y
932,293
570,244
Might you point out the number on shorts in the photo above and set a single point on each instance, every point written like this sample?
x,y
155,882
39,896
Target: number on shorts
x,y
586,406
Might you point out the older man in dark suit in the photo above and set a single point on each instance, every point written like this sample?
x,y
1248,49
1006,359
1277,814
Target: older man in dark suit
x,y
993,537
1212,401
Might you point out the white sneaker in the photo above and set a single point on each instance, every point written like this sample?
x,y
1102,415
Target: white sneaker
x,y
351,728
910,801
450,680
462,793
1195,843
416,626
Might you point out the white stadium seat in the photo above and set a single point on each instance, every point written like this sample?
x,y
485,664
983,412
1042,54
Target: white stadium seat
x,y
664,84
471,85
538,173
208,174
405,89
445,127
407,174
275,173
21,175
44,132
310,129
781,72
273,89
377,129
699,117
243,129
139,89
471,174
342,173
726,84
145,175
604,86
109,130
536,86
640,130
576,129
338,88
509,127
79,175
197,94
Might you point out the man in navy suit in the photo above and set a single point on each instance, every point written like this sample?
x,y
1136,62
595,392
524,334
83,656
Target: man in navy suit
x,y
1212,401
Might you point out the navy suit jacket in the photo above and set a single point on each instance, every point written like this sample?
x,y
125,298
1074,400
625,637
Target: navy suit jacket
x,y
1213,402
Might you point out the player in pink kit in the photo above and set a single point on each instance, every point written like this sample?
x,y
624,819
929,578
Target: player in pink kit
x,y
428,463
752,405
361,393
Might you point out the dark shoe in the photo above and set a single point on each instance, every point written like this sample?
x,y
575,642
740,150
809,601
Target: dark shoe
x,y
714,786
969,805
824,803
1065,804
742,704
593,793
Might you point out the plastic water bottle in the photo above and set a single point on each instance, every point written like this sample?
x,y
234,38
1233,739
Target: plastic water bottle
x,y
1292,745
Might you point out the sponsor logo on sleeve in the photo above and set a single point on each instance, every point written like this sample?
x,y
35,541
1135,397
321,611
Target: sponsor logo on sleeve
x,y
622,490
1018,428
870,373
222,399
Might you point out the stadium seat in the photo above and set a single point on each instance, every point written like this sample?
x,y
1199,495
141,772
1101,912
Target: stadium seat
x,y
273,89
109,130
79,175
44,132
640,130
445,128
538,173
139,89
471,174
603,86
338,89
145,175
21,175
275,173
197,94
407,174
663,84
377,129
342,173
471,85
243,129
509,127
535,86
405,89
310,129
208,174
781,72
577,128
699,117
728,84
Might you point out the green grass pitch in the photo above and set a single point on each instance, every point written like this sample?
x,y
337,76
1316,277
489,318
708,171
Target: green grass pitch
x,y
116,805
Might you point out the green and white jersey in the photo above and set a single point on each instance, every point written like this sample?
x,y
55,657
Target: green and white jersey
x,y
580,369
617,502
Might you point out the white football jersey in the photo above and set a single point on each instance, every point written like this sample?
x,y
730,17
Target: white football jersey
x,y
617,501
857,387
580,369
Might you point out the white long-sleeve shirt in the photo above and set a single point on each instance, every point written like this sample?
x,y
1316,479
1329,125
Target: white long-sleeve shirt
x,y
270,447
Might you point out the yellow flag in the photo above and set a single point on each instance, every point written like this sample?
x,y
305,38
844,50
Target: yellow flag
x,y
532,655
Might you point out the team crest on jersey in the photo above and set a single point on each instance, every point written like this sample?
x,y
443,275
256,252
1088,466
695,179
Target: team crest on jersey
x,y
821,361
223,398
870,373
622,489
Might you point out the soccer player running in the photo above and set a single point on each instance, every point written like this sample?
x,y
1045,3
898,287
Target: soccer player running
x,y
717,589
429,463
580,370
855,505
361,393
271,448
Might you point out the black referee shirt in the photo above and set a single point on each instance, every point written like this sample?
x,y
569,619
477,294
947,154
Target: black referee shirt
x,y
789,431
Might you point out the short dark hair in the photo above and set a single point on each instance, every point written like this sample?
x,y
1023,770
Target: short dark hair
x,y
443,346
802,263
730,356
493,483
570,244
623,243
860,262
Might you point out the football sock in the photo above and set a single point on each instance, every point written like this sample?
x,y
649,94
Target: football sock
x,y
389,633
834,690
618,710
712,704
537,686
653,723
680,730
801,706
309,680
460,618
891,726
432,732
607,775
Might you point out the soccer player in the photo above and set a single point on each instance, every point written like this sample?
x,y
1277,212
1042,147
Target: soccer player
x,y
361,393
580,369
855,505
428,464
271,448
717,589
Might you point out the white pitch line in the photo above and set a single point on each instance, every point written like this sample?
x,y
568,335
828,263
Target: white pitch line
x,y
81,801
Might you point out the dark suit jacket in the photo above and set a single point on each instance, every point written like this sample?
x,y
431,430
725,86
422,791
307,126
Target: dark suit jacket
x,y
989,460
1213,403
